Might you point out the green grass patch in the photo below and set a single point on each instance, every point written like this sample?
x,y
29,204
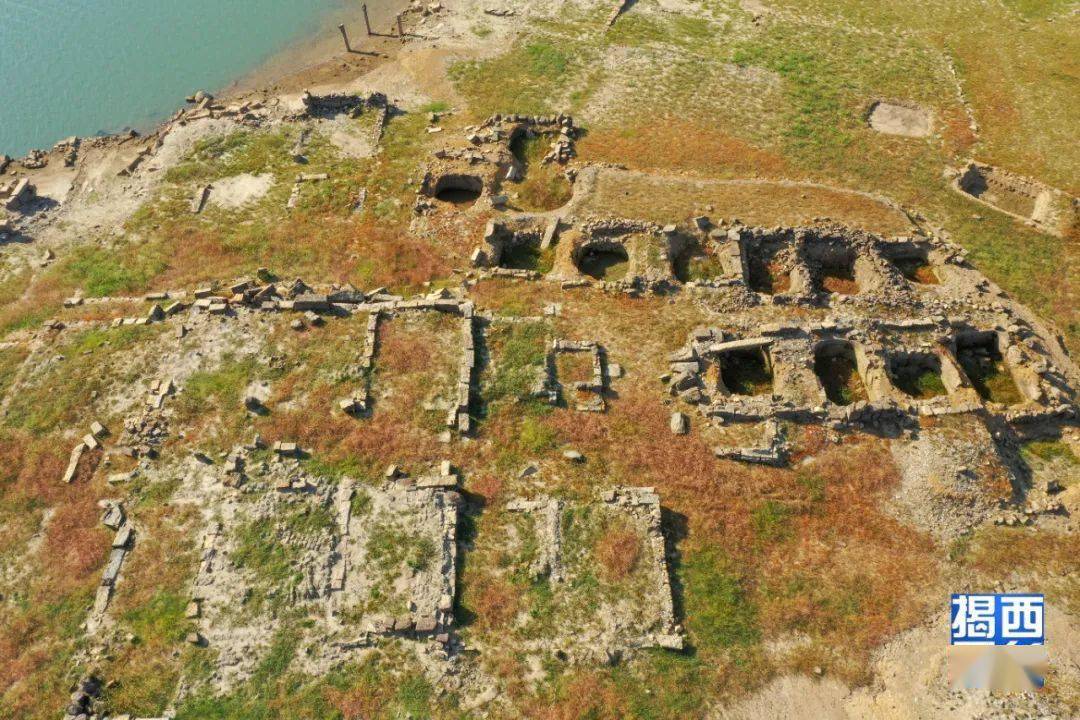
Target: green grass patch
x,y
227,155
272,562
218,394
260,550
1051,451
385,686
519,352
528,79
338,468
919,381
771,521
389,547
814,485
543,186
719,611
62,394
223,386
535,437
161,619
101,272
684,32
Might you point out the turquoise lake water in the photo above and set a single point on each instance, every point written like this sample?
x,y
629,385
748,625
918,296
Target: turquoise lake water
x,y
80,67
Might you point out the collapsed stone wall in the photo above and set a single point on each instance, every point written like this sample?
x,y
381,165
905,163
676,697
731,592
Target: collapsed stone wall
x,y
1043,206
780,266
322,106
337,575
488,159
622,625
586,395
881,352
504,129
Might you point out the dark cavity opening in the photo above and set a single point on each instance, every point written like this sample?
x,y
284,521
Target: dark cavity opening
x,y
520,147
918,375
834,270
917,269
747,372
459,189
765,272
984,365
836,367
609,262
973,182
525,254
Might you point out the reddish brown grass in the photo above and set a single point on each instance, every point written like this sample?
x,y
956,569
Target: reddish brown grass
x,y
37,633
587,695
495,601
957,134
333,250
618,551
362,701
401,351
662,145
488,486
852,560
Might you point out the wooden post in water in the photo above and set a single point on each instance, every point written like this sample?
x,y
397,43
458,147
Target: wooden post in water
x,y
400,32
345,37
367,22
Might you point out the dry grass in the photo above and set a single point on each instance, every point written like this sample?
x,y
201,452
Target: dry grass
x,y
333,250
840,559
26,301
584,695
674,143
495,601
663,199
507,297
618,551
38,633
762,553
416,361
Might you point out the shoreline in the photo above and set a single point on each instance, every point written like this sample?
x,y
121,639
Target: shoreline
x,y
305,56
301,60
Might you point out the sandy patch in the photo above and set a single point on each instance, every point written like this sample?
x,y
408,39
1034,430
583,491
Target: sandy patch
x,y
791,696
911,684
899,120
417,79
239,190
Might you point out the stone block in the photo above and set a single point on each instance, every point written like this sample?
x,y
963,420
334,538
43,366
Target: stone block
x,y
122,537
680,424
286,449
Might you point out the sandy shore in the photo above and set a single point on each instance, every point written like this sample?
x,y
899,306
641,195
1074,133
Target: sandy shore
x,y
322,58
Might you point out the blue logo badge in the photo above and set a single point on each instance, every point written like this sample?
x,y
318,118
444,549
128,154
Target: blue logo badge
x,y
988,619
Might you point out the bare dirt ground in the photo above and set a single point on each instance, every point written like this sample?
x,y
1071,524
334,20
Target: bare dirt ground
x,y
900,120
238,190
